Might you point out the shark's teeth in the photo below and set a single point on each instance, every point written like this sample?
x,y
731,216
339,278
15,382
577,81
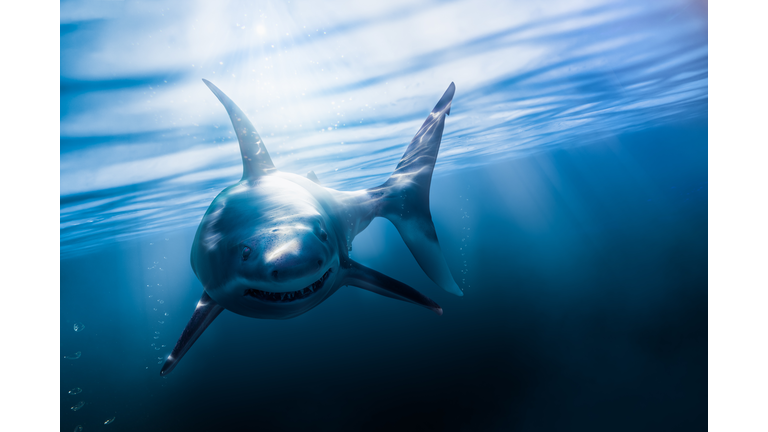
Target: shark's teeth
x,y
285,297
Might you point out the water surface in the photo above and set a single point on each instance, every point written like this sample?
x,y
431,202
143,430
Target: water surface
x,y
570,199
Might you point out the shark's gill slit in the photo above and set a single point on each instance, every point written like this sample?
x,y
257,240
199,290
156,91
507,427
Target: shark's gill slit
x,y
288,296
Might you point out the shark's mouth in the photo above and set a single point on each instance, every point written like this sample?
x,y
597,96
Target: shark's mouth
x,y
284,297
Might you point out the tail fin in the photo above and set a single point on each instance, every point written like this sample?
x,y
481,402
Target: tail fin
x,y
405,196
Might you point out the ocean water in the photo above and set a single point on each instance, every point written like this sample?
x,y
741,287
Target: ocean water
x,y
570,198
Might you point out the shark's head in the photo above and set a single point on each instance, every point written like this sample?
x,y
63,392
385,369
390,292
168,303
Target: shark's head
x,y
267,249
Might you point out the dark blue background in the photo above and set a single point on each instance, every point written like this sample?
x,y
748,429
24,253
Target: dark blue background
x,y
585,309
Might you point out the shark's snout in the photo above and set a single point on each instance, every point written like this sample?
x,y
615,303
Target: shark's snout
x,y
298,253
286,273
297,259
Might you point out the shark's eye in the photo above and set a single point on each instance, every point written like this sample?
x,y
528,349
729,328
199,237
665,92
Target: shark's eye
x,y
246,252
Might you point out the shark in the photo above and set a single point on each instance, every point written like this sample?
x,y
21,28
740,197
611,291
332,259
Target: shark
x,y
276,244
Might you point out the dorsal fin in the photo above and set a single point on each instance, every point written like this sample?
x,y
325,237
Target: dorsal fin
x,y
256,160
312,176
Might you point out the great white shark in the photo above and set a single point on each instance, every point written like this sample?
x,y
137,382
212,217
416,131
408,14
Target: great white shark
x,y
275,245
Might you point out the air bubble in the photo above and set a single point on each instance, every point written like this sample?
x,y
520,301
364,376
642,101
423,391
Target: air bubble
x,y
74,356
160,301
78,406
109,421
75,391
79,327
78,428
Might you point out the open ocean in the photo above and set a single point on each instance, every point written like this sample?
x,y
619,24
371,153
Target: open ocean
x,y
570,198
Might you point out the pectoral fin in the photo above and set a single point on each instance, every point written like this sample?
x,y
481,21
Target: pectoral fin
x,y
363,277
206,311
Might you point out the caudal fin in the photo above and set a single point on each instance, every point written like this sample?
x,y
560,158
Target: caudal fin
x,y
405,196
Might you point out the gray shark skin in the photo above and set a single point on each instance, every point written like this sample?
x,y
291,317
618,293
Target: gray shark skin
x,y
275,245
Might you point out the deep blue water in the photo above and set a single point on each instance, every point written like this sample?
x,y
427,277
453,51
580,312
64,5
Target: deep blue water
x,y
570,199
585,309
